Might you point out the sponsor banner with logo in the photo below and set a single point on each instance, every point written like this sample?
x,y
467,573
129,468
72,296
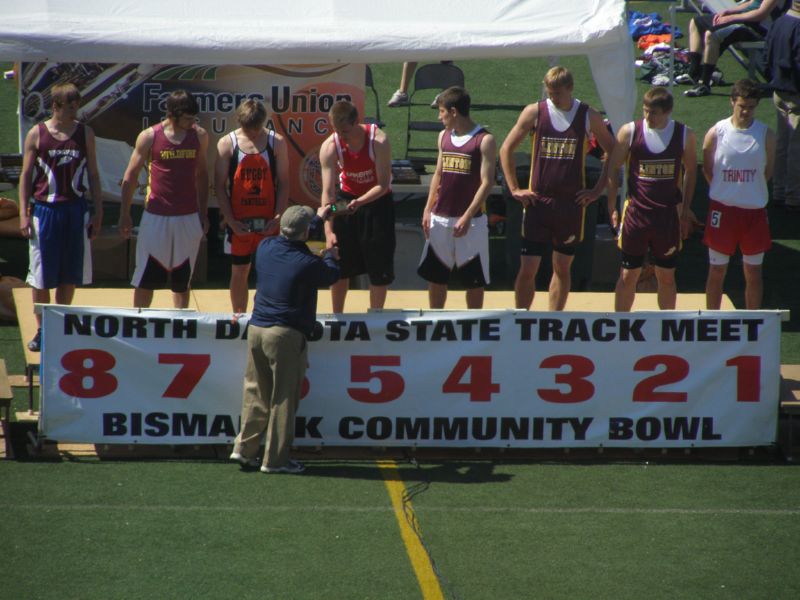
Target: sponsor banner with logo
x,y
415,378
120,100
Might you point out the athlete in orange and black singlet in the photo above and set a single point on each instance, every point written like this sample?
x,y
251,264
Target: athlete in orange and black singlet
x,y
252,187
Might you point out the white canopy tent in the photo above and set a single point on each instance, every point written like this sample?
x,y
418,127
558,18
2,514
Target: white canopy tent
x,y
325,31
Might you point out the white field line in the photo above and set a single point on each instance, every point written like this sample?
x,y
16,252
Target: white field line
x,y
266,508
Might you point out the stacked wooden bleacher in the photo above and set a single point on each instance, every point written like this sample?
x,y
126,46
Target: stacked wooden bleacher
x,y
789,407
6,396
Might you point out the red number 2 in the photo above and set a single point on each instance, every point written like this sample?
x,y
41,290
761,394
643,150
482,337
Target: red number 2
x,y
675,369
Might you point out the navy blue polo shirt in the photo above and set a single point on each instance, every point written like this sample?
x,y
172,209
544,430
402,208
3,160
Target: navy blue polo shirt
x,y
288,276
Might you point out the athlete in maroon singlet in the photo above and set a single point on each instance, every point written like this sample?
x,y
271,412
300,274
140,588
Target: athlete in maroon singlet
x,y
57,156
454,219
175,218
556,198
662,167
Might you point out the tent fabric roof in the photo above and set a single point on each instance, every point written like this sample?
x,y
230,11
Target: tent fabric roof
x,y
323,31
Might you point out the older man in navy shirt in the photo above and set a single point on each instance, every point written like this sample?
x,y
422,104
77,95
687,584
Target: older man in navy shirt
x,y
288,277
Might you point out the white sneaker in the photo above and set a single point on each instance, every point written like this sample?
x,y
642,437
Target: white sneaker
x,y
684,78
293,467
245,462
398,99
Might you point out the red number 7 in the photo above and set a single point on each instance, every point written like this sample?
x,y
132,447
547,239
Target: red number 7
x,y
189,375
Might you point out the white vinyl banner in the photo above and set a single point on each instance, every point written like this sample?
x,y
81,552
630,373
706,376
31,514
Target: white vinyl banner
x,y
418,378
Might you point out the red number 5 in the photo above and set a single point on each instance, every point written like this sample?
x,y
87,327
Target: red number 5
x,y
392,384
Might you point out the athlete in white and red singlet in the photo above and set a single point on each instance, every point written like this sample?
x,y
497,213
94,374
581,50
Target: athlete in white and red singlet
x,y
738,159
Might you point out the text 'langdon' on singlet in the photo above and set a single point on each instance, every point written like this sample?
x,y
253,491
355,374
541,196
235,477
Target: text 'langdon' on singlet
x,y
461,173
557,156
655,179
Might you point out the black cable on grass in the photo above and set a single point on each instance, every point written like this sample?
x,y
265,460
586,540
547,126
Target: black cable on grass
x,y
411,518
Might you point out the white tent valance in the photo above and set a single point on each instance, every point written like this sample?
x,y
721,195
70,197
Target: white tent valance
x,y
324,31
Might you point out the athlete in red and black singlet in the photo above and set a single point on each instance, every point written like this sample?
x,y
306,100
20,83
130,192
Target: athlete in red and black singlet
x,y
357,169
461,175
251,180
61,167
366,238
557,162
649,173
171,182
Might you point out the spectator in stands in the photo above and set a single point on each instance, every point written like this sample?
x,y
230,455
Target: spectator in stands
x,y
288,277
783,73
662,167
54,214
738,157
175,219
709,35
454,220
252,187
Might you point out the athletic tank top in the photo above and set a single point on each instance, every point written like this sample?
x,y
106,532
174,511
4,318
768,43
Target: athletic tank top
x,y
357,173
739,161
60,167
461,174
557,157
655,178
171,183
252,180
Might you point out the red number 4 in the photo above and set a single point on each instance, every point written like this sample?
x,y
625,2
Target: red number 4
x,y
479,386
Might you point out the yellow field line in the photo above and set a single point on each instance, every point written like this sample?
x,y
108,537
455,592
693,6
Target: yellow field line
x,y
420,561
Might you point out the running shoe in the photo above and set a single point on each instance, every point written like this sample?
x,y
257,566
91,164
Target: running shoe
x,y
292,467
398,99
35,345
698,91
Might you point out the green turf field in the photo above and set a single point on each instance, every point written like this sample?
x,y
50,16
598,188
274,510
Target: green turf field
x,y
201,529
85,528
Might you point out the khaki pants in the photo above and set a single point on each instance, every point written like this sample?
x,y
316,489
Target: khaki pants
x,y
276,364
